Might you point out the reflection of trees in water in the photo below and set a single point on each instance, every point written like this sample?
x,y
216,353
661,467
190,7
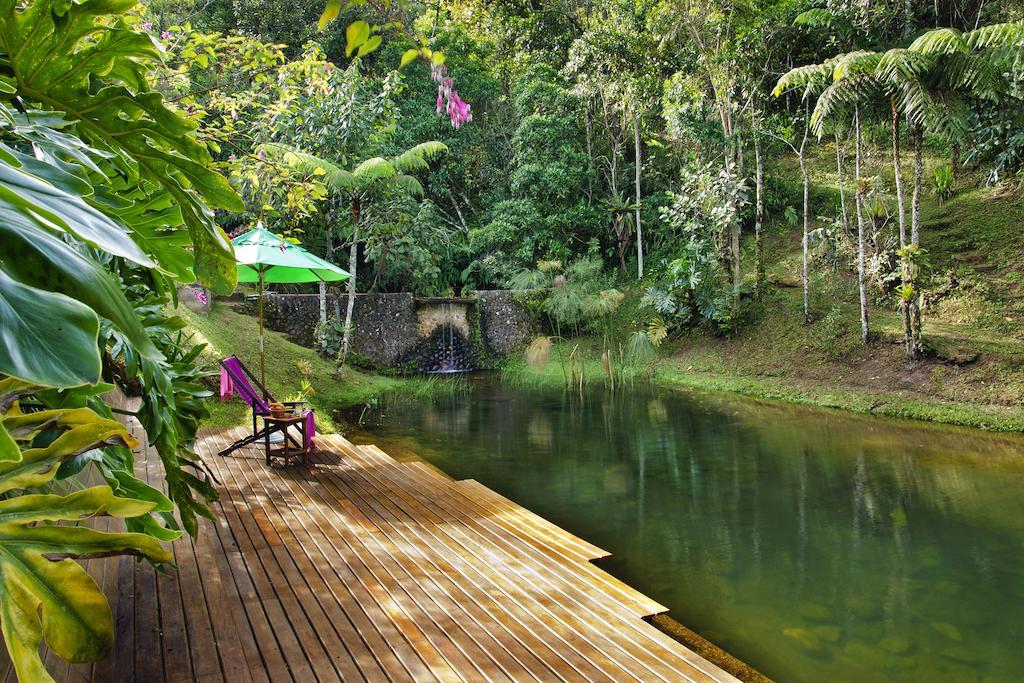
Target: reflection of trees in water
x,y
748,514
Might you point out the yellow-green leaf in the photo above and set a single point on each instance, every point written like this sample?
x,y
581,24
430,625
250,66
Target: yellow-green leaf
x,y
369,46
409,56
355,35
330,13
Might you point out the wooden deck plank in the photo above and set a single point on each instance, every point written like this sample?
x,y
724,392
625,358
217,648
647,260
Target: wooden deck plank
x,y
380,589
549,597
633,646
483,598
364,568
297,639
409,554
348,636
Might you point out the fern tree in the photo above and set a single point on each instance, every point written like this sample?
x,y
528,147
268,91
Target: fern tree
x,y
374,178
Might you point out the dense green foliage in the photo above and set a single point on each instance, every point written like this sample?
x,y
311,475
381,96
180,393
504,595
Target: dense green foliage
x,y
626,165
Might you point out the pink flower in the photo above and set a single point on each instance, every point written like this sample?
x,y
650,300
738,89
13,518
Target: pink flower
x,y
148,26
165,35
448,99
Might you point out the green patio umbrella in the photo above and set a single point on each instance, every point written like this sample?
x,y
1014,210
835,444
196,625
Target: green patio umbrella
x,y
265,258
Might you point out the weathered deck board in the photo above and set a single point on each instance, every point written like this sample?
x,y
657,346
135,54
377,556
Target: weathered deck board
x,y
364,568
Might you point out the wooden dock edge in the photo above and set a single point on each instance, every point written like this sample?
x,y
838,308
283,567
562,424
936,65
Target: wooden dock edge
x,y
659,616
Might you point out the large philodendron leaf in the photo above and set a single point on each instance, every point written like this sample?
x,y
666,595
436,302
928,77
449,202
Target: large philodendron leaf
x,y
81,59
48,338
44,593
39,259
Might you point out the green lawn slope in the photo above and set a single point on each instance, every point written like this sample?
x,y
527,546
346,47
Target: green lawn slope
x,y
226,332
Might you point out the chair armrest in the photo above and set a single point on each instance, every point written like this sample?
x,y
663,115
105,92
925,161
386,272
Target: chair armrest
x,y
293,403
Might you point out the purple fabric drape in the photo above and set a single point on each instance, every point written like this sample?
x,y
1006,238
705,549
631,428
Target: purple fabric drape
x,y
236,379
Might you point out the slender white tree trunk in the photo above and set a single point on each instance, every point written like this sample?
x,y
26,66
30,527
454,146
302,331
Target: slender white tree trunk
x,y
806,237
898,173
353,254
639,228
860,237
323,301
915,231
758,213
842,191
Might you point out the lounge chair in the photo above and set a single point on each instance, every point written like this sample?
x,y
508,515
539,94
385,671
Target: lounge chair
x,y
234,376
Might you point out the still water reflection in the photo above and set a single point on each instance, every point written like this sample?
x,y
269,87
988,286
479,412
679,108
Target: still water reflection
x,y
811,544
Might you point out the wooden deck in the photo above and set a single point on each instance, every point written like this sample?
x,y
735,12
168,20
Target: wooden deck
x,y
364,568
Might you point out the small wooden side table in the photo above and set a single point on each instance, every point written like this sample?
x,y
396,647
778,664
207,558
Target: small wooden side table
x,y
290,448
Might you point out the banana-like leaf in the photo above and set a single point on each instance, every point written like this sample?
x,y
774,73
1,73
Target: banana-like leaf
x,y
44,593
53,337
80,59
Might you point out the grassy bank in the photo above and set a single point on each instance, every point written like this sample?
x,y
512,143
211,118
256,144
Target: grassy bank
x,y
226,332
712,365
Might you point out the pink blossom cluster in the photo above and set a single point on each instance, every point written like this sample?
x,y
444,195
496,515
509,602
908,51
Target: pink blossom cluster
x,y
449,100
200,293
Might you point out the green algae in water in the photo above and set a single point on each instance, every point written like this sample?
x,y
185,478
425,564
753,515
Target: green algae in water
x,y
814,545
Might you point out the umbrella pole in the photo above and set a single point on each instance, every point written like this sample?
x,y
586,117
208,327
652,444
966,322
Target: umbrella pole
x,y
263,369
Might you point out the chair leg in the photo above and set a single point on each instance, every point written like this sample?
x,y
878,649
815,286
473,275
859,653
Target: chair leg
x,y
245,441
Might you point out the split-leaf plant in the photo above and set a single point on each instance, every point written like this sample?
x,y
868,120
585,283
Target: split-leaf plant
x,y
106,200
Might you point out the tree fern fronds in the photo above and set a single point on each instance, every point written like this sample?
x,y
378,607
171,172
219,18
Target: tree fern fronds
x,y
855,63
815,18
840,97
810,77
996,35
415,158
901,64
408,184
941,41
972,74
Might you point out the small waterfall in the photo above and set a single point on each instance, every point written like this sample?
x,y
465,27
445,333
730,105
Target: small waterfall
x,y
446,347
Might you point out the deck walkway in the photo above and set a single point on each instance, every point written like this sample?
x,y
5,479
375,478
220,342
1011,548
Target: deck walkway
x,y
365,568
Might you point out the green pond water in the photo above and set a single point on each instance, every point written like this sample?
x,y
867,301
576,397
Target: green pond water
x,y
815,546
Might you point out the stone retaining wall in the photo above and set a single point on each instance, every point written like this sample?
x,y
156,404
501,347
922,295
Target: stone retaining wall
x,y
389,327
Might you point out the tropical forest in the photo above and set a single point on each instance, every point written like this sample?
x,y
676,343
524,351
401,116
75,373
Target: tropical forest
x,y
505,340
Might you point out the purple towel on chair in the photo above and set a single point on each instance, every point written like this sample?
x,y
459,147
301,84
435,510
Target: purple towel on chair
x,y
236,379
227,386
310,430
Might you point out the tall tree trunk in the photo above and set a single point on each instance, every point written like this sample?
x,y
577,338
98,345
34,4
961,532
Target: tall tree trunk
x,y
842,192
353,254
898,173
639,227
323,302
915,231
859,200
806,237
908,18
758,213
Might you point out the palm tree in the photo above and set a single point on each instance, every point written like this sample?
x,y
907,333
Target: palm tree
x,y
374,177
960,67
849,84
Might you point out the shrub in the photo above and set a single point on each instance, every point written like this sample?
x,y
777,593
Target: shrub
x,y
942,183
835,335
